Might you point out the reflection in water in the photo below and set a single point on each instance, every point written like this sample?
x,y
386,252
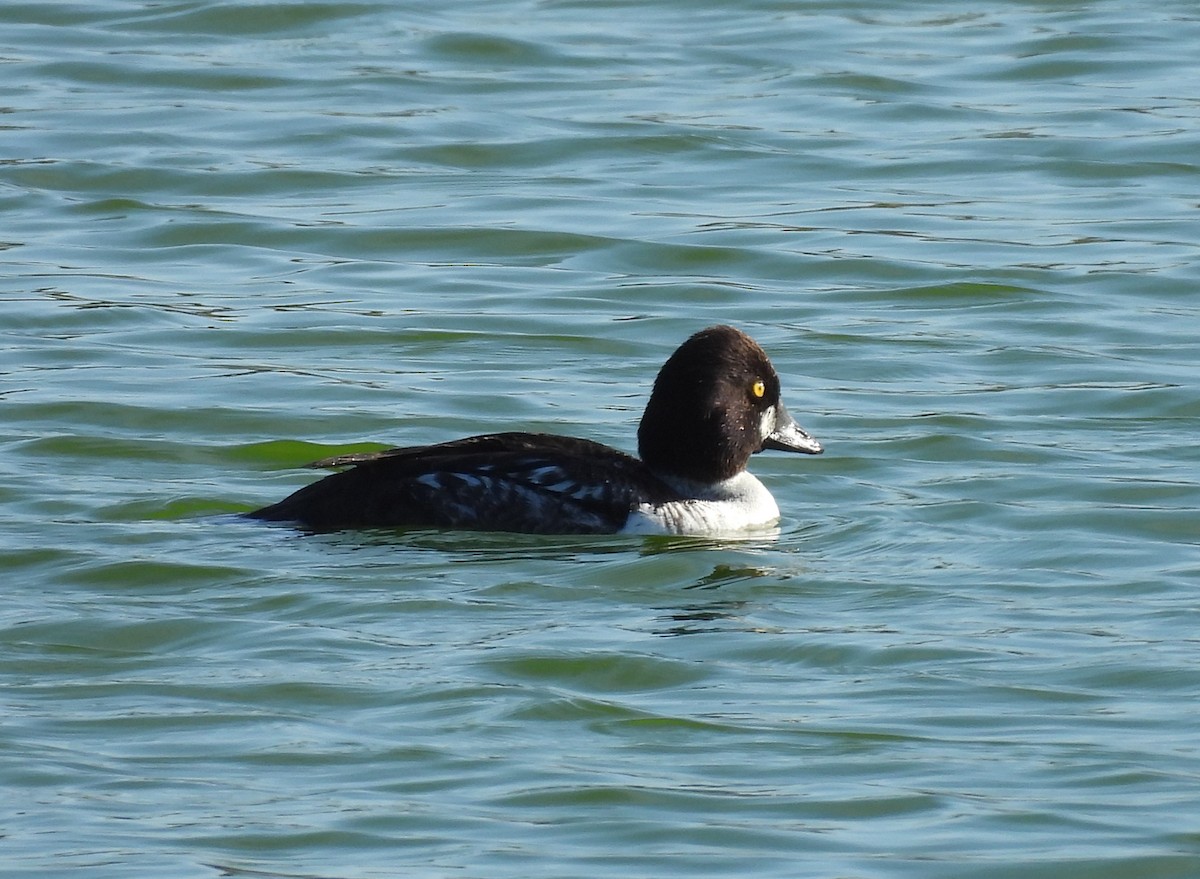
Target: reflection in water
x,y
698,619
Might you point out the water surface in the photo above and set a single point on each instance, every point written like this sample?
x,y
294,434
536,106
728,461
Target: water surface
x,y
241,236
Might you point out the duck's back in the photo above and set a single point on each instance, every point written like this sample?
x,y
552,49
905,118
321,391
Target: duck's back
x,y
526,482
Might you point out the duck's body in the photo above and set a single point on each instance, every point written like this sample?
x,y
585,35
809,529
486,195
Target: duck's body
x,y
528,482
715,402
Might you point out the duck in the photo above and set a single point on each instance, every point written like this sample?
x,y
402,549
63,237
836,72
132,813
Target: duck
x,y
715,403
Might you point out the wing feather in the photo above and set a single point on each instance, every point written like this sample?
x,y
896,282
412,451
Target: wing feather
x,y
536,483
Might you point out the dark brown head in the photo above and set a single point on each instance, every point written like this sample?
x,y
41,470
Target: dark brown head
x,y
715,403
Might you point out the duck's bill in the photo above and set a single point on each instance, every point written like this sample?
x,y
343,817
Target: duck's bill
x,y
788,436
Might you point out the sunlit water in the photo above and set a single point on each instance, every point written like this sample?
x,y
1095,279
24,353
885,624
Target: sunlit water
x,y
241,236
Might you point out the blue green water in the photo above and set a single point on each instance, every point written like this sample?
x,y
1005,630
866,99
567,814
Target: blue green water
x,y
240,236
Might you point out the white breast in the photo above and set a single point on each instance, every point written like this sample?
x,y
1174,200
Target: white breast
x,y
738,504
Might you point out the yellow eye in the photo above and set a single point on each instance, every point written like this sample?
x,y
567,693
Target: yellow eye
x,y
758,388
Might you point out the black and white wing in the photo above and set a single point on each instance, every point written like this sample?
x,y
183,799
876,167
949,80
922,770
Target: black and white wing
x,y
532,483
